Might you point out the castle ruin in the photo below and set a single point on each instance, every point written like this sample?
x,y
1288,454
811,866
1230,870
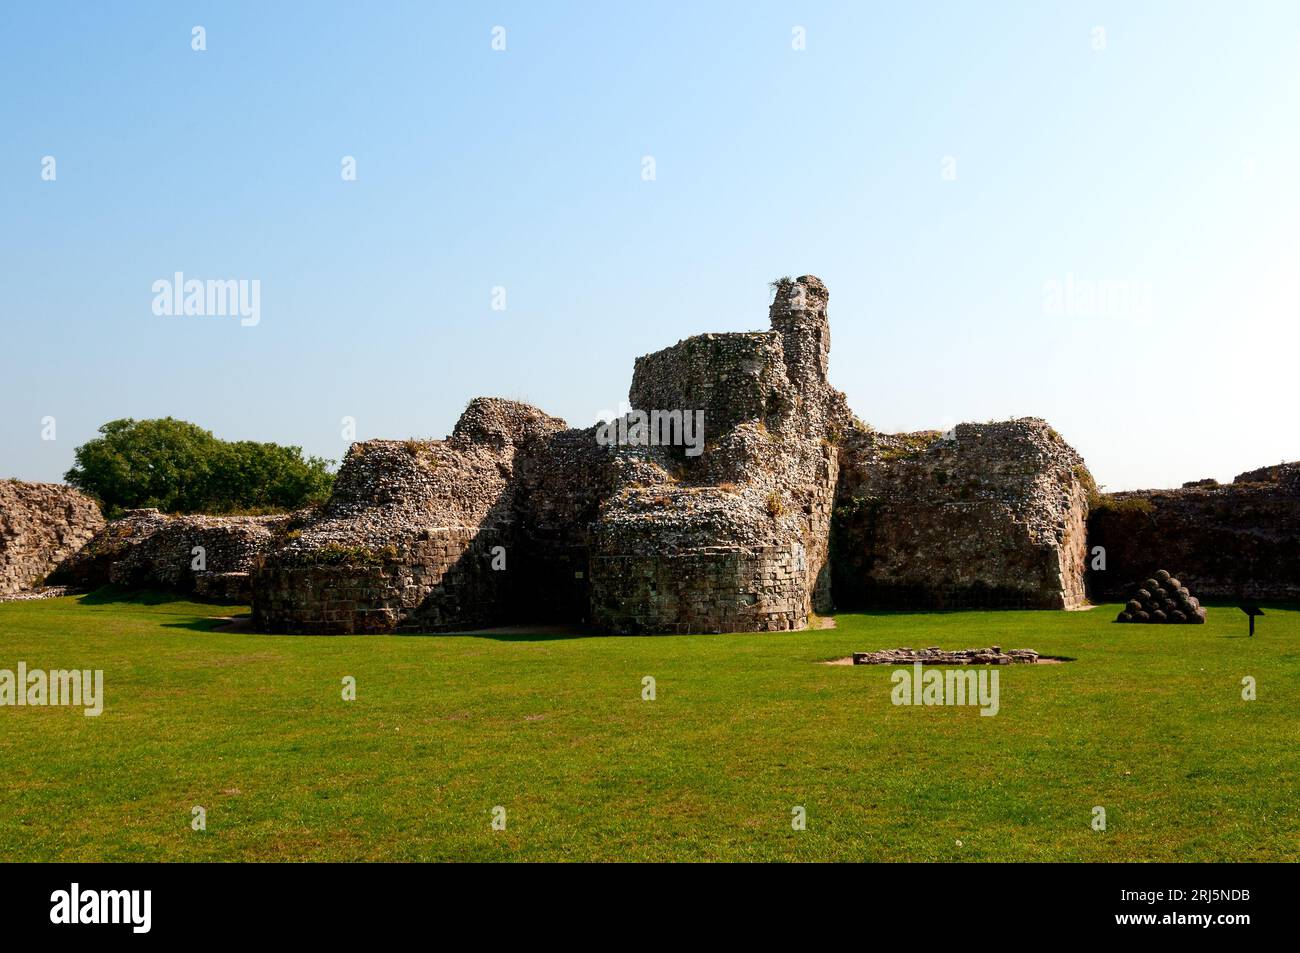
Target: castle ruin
x,y
517,517
738,495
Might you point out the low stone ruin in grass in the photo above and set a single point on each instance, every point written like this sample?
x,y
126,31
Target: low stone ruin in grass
x,y
993,655
1163,599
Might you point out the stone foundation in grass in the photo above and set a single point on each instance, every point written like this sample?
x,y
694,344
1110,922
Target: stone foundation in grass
x,y
992,655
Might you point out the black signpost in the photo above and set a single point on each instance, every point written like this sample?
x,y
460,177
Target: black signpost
x,y
1251,611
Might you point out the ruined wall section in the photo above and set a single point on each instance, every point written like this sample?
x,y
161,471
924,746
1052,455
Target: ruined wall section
x,y
1237,541
732,378
147,549
814,429
736,538
41,525
990,515
408,537
516,517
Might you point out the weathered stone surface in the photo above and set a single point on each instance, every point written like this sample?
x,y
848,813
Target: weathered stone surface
x,y
936,656
988,515
735,539
648,537
1228,541
149,549
41,524
41,592
633,538
407,539
223,586
516,517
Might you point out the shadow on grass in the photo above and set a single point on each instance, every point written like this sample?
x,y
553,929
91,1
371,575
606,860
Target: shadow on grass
x,y
111,595
519,633
122,595
884,611
530,633
234,623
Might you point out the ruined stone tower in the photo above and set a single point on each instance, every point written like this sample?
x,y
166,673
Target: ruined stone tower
x,y
737,540
798,314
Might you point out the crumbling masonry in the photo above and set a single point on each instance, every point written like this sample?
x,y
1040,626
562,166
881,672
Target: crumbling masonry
x,y
1235,541
787,506
209,556
41,525
517,517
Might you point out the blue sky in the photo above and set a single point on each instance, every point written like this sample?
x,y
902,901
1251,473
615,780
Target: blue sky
x,y
940,166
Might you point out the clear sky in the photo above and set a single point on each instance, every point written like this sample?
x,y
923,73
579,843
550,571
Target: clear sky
x,y
959,174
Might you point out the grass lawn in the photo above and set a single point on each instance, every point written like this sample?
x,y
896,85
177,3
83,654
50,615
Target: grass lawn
x,y
1149,723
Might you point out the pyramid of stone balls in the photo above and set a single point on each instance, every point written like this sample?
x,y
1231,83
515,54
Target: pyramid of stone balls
x,y
1162,598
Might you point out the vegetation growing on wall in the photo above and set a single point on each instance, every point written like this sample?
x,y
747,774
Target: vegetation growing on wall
x,y
1105,502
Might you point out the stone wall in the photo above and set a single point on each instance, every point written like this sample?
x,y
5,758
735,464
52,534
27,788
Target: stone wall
x,y
720,589
629,536
730,377
146,549
443,579
41,524
407,539
736,538
638,536
790,508
516,517
1223,541
989,515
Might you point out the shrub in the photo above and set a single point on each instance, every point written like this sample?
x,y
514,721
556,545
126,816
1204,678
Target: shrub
x,y
337,554
1136,505
1090,488
910,445
179,467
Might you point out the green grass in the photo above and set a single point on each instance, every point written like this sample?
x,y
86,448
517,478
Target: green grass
x,y
1148,722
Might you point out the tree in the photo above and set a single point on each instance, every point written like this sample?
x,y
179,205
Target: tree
x,y
181,468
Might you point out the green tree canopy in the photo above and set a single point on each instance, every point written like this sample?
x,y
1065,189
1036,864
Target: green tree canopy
x,y
181,468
